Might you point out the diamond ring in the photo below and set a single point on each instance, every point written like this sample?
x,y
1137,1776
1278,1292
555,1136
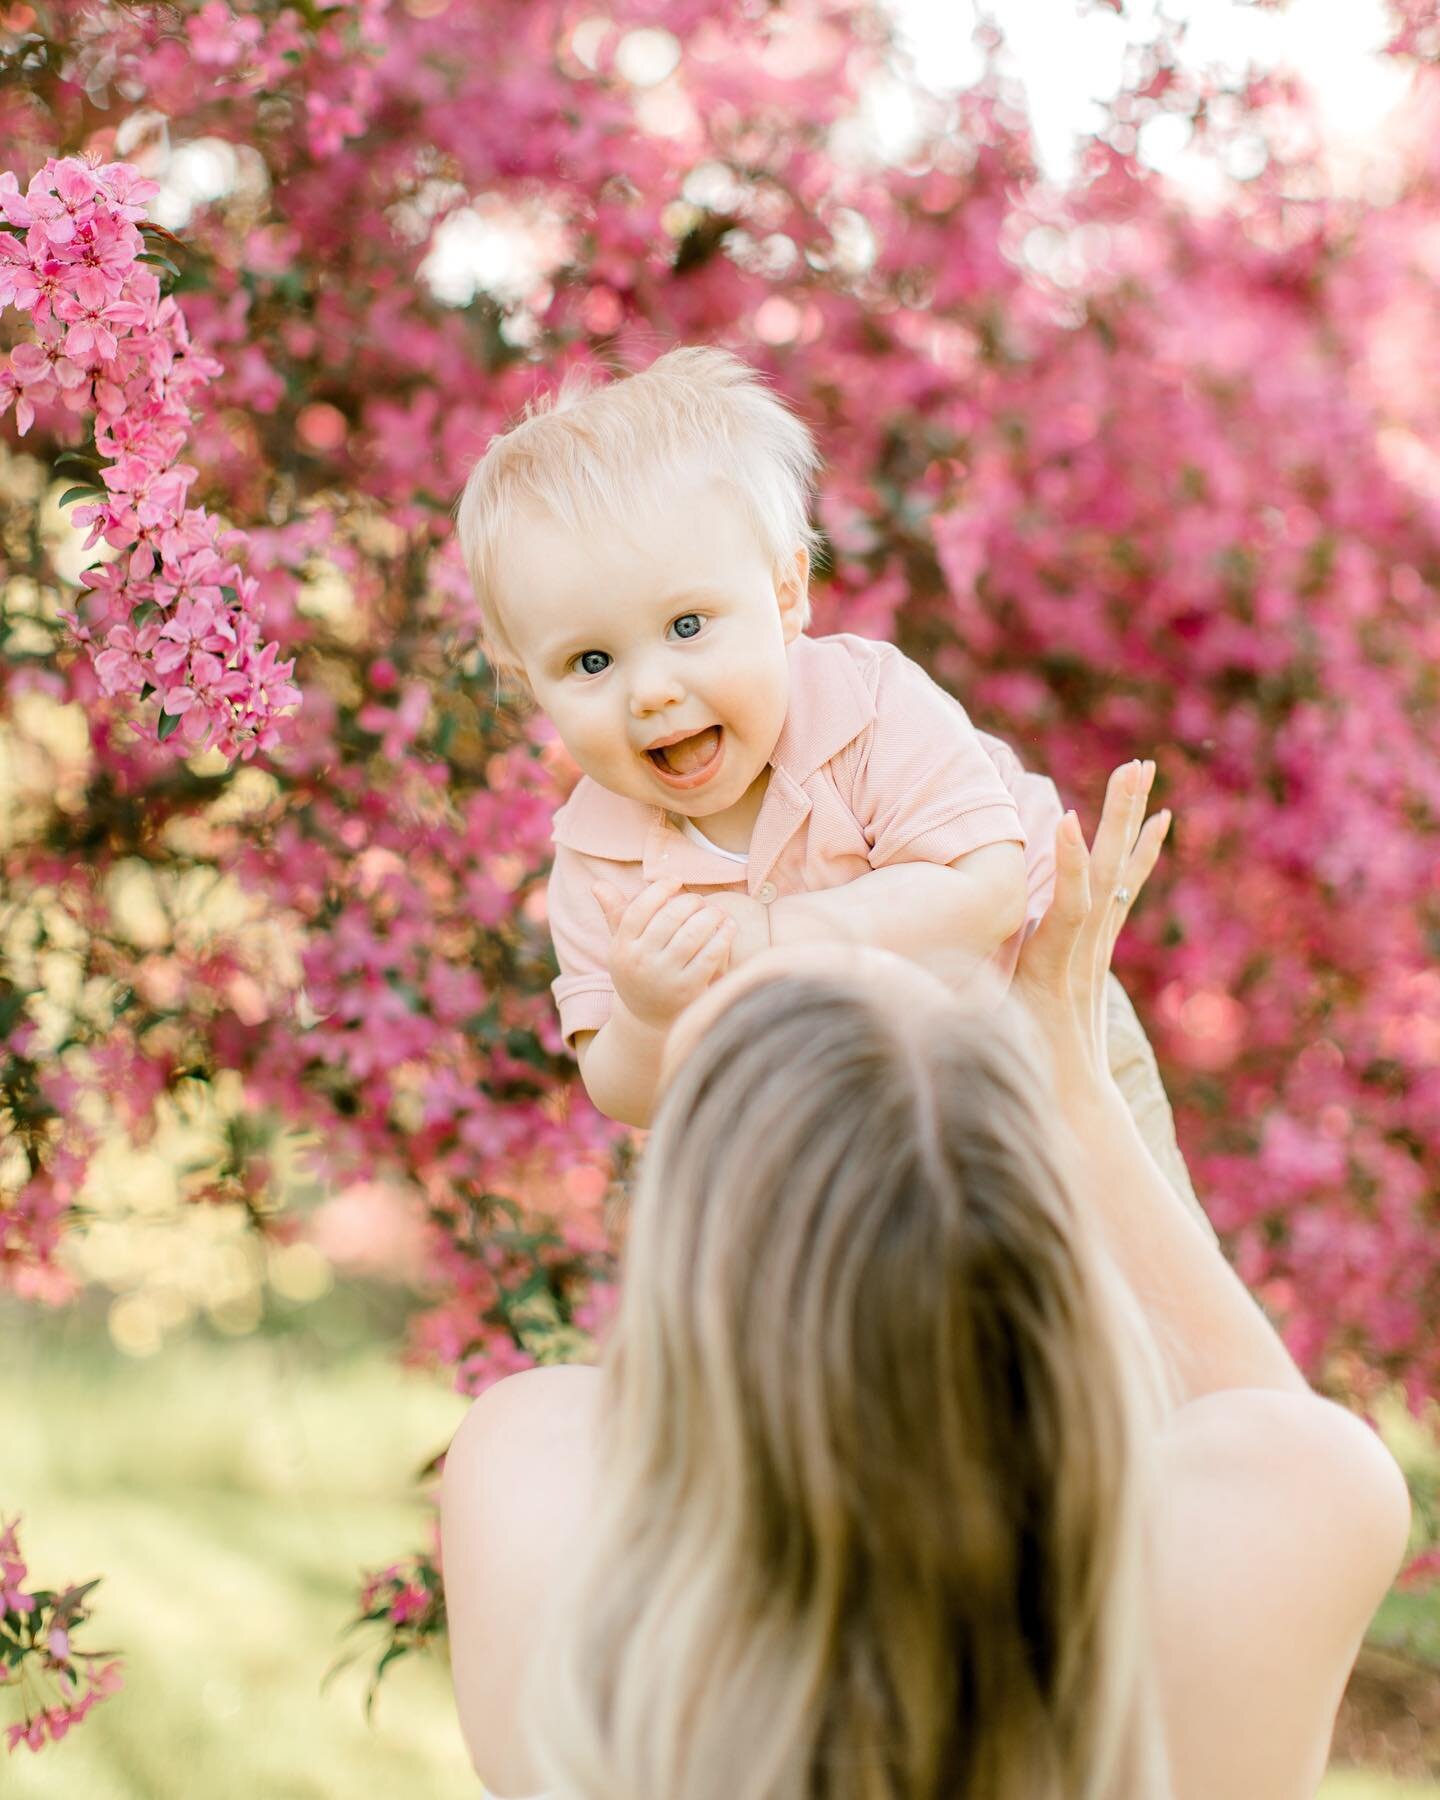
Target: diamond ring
x,y
1122,894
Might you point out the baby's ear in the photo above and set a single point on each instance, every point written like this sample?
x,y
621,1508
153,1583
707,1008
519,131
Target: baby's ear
x,y
792,591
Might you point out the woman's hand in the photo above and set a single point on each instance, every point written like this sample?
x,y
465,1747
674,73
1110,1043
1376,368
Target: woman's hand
x,y
1061,974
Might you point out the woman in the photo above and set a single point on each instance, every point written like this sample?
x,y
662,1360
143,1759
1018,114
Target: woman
x,y
883,1489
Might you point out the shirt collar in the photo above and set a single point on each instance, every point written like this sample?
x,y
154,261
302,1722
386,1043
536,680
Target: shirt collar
x,y
829,707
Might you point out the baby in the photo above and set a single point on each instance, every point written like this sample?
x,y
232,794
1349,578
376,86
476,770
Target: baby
x,y
641,557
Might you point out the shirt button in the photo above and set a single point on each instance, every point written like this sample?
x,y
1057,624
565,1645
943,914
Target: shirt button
x,y
766,892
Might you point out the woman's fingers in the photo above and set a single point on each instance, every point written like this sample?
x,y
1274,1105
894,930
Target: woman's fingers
x,y
1051,945
1119,826
1084,912
1072,879
1116,839
1139,868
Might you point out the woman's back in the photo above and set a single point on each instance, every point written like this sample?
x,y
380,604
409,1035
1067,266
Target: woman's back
x,y
1258,1497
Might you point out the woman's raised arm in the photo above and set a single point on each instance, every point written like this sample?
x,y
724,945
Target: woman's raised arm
x,y
1205,1320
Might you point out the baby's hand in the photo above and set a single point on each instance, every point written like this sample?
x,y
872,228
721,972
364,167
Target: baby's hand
x,y
665,948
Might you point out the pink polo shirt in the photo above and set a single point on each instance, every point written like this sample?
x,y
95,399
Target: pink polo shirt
x,y
875,765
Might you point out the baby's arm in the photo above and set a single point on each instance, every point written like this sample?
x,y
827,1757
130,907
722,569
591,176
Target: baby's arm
x,y
918,909
620,1066
666,948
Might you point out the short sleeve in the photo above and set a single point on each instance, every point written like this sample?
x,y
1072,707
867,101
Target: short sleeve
x,y
1041,811
583,991
924,788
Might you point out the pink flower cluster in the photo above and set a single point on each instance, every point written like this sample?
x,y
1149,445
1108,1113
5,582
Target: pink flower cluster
x,y
40,1098
56,1684
248,54
396,1593
186,618
405,1603
1421,1571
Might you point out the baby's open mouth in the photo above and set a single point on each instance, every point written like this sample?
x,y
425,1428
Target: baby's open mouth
x,y
689,754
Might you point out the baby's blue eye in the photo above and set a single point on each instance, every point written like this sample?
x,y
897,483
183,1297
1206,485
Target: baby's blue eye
x,y
687,625
591,662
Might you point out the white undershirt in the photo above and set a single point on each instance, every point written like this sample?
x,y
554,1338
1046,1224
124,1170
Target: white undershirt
x,y
697,836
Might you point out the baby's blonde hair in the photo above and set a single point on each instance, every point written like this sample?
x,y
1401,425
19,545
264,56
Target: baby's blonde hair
x,y
870,1521
592,456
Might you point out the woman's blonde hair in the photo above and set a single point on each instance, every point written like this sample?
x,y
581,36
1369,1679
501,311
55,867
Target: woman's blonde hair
x,y
587,455
870,1511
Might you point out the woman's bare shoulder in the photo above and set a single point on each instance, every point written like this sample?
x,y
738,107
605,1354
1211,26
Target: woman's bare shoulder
x,y
514,1502
1278,1522
519,1466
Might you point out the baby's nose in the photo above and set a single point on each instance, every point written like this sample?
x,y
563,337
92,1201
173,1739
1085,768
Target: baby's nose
x,y
653,693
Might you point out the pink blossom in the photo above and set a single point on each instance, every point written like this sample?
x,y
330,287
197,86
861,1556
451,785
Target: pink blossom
x,y
220,37
195,625
397,729
93,320
122,666
408,1604
62,199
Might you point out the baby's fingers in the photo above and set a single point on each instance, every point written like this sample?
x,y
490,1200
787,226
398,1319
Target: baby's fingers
x,y
690,936
632,917
714,953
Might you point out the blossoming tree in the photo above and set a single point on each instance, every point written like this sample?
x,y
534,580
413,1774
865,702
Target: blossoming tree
x,y
1126,475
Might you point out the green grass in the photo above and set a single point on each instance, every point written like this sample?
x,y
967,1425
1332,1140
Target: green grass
x,y
229,1493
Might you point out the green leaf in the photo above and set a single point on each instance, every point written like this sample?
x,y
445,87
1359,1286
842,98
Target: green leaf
x,y
169,725
153,256
80,493
229,594
12,1005
144,612
341,1662
525,1047
393,1654
85,457
73,1598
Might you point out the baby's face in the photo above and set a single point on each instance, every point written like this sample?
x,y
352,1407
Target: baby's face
x,y
675,639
